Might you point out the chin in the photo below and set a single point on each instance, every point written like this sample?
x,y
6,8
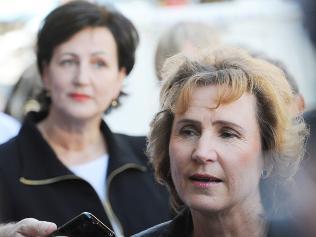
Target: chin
x,y
206,205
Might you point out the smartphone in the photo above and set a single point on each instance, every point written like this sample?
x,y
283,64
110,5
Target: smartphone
x,y
84,225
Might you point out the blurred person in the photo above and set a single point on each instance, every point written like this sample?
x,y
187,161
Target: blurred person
x,y
24,95
187,37
298,105
28,227
299,101
225,126
65,159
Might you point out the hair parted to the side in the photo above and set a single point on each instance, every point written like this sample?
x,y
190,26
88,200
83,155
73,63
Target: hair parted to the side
x,y
66,20
235,72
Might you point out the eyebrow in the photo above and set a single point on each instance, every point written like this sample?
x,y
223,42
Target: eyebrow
x,y
93,54
230,124
219,122
68,54
186,121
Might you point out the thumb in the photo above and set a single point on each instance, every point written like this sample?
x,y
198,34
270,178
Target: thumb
x,y
32,227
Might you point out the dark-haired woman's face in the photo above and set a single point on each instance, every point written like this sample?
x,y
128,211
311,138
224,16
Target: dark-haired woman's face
x,y
83,76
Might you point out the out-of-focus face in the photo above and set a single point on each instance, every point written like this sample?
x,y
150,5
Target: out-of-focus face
x,y
83,76
215,154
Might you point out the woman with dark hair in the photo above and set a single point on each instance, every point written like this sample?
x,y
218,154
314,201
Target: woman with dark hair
x,y
66,160
226,143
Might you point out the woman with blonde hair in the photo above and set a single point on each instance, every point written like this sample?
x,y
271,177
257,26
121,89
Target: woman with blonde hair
x,y
226,145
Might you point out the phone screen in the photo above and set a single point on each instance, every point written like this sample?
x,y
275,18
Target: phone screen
x,y
84,225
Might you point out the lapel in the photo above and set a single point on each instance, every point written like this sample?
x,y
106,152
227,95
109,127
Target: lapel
x,y
39,162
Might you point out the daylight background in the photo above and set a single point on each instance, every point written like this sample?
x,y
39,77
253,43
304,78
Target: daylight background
x,y
273,27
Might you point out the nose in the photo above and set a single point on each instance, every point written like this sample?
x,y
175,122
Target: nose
x,y
82,75
205,151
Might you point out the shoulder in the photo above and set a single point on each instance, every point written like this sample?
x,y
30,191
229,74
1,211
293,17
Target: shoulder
x,y
155,231
8,149
136,143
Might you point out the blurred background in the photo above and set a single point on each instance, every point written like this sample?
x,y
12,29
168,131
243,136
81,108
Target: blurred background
x,y
280,29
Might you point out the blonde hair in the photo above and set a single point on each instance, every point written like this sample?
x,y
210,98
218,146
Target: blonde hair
x,y
236,72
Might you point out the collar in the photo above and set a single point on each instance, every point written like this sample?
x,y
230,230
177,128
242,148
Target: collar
x,y
39,162
181,225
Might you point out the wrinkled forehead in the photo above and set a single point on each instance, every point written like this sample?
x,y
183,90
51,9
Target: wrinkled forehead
x,y
219,94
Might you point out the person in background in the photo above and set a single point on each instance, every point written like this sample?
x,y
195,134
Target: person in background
x,y
65,159
225,126
187,37
298,105
28,227
24,94
299,101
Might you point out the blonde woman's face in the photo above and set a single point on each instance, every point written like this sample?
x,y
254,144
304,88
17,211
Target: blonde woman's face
x,y
215,154
83,76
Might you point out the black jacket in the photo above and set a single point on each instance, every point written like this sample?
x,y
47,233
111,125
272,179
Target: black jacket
x,y
34,183
182,226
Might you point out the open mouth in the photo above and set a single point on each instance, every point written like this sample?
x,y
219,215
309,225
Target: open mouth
x,y
204,178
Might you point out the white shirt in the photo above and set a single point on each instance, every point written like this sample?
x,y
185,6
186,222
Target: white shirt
x,y
94,172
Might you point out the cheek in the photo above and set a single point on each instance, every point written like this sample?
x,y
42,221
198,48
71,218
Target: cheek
x,y
249,157
57,83
178,159
243,168
107,88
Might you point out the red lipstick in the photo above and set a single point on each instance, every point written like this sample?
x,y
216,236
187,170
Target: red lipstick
x,y
79,97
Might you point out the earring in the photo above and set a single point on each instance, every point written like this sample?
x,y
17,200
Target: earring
x,y
114,103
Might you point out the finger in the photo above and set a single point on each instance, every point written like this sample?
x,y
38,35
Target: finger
x,y
33,227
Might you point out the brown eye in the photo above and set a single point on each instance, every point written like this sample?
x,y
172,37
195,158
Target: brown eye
x,y
98,63
228,133
189,131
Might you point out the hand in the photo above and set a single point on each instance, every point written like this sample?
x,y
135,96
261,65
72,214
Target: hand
x,y
28,227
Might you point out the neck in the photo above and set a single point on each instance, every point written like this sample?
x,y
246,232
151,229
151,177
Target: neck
x,y
74,142
235,222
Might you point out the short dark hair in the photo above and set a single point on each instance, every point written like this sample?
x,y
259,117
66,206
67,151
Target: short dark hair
x,y
68,19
